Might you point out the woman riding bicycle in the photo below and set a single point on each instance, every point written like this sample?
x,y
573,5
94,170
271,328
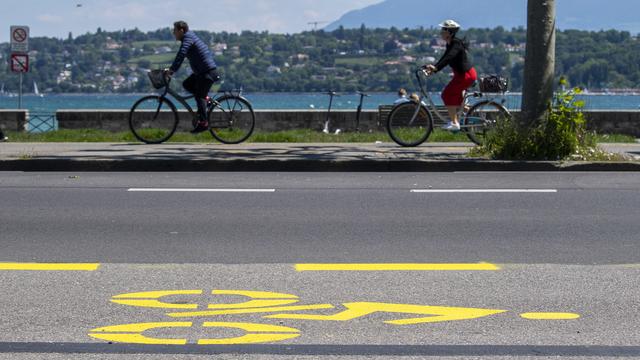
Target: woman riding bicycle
x,y
464,74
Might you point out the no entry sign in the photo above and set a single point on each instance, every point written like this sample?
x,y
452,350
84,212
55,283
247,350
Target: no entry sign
x,y
20,63
19,38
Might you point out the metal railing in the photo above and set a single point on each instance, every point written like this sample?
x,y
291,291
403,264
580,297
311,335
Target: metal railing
x,y
42,122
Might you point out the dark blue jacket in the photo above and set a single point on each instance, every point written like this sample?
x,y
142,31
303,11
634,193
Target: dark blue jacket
x,y
199,55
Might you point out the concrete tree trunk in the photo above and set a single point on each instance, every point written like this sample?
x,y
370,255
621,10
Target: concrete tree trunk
x,y
539,69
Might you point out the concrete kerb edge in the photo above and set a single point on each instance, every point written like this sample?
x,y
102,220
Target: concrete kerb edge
x,y
172,165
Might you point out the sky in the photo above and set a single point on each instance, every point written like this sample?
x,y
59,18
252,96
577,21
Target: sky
x,y
56,18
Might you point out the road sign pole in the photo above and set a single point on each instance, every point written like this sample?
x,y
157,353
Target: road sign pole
x,y
20,93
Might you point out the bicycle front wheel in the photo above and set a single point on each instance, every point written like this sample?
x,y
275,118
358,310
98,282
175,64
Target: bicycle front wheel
x,y
153,119
231,119
482,118
409,124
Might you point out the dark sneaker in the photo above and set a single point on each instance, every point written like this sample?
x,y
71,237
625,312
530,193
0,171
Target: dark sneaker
x,y
201,127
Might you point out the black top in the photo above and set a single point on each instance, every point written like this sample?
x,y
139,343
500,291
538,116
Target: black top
x,y
456,56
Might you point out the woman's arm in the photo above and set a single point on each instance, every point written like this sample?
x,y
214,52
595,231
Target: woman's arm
x,y
454,50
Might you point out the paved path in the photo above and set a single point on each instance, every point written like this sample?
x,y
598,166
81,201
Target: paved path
x,y
270,157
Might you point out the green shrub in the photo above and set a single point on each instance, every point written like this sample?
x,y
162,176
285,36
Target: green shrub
x,y
560,135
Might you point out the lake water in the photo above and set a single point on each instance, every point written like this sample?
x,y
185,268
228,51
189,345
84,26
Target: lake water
x,y
283,101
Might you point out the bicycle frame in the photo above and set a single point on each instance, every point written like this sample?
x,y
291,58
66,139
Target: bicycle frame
x,y
213,102
431,106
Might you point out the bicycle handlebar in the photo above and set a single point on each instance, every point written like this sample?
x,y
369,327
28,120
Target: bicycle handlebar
x,y
419,73
167,78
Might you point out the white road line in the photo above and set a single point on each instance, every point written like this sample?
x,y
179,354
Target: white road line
x,y
484,191
206,190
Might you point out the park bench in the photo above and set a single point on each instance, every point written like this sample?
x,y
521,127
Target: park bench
x,y
385,110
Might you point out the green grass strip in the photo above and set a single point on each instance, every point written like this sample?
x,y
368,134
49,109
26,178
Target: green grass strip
x,y
289,136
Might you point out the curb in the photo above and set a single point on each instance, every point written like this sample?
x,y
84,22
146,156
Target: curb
x,y
177,165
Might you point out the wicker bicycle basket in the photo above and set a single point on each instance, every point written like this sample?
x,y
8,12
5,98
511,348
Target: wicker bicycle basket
x,y
157,78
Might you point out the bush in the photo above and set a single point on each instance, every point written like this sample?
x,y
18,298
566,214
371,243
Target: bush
x,y
562,134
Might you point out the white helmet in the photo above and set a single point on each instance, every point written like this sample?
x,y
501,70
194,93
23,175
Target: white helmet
x,y
450,24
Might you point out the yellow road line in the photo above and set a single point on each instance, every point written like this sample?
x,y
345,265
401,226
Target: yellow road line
x,y
550,316
48,267
397,267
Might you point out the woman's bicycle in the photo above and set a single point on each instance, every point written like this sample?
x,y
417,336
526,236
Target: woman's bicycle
x,y
411,123
154,119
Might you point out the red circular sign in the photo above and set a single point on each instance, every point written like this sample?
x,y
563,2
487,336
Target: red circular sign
x,y
20,35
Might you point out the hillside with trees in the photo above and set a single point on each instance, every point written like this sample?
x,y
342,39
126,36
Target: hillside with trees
x,y
342,60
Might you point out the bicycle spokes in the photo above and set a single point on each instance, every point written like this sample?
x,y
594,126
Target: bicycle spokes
x,y
231,119
153,119
409,124
483,117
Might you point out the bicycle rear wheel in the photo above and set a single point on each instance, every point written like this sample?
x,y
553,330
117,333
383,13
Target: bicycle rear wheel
x,y
409,124
482,118
232,119
153,119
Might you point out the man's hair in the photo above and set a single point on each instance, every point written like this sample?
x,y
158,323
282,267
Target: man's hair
x,y
181,25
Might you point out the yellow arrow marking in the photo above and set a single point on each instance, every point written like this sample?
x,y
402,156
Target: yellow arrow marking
x,y
360,309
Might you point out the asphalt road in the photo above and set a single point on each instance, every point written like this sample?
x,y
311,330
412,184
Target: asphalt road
x,y
549,268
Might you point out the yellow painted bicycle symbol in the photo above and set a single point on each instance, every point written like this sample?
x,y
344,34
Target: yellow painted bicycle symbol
x,y
274,306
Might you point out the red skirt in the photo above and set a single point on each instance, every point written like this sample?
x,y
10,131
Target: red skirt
x,y
453,94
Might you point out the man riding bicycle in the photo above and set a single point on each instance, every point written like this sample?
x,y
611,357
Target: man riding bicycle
x,y
203,67
464,74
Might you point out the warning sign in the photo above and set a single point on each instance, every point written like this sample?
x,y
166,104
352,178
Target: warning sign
x,y
20,63
19,39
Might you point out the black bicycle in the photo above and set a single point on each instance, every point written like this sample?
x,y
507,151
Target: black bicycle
x,y
154,119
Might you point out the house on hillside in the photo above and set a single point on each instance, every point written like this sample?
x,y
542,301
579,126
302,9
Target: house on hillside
x,y
64,76
274,70
218,49
163,50
112,44
299,58
407,59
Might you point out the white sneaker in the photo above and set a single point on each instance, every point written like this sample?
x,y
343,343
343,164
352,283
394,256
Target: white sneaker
x,y
451,127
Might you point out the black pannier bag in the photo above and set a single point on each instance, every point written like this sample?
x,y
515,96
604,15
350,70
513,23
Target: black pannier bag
x,y
494,84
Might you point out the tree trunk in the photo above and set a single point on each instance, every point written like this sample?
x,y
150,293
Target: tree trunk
x,y
539,68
